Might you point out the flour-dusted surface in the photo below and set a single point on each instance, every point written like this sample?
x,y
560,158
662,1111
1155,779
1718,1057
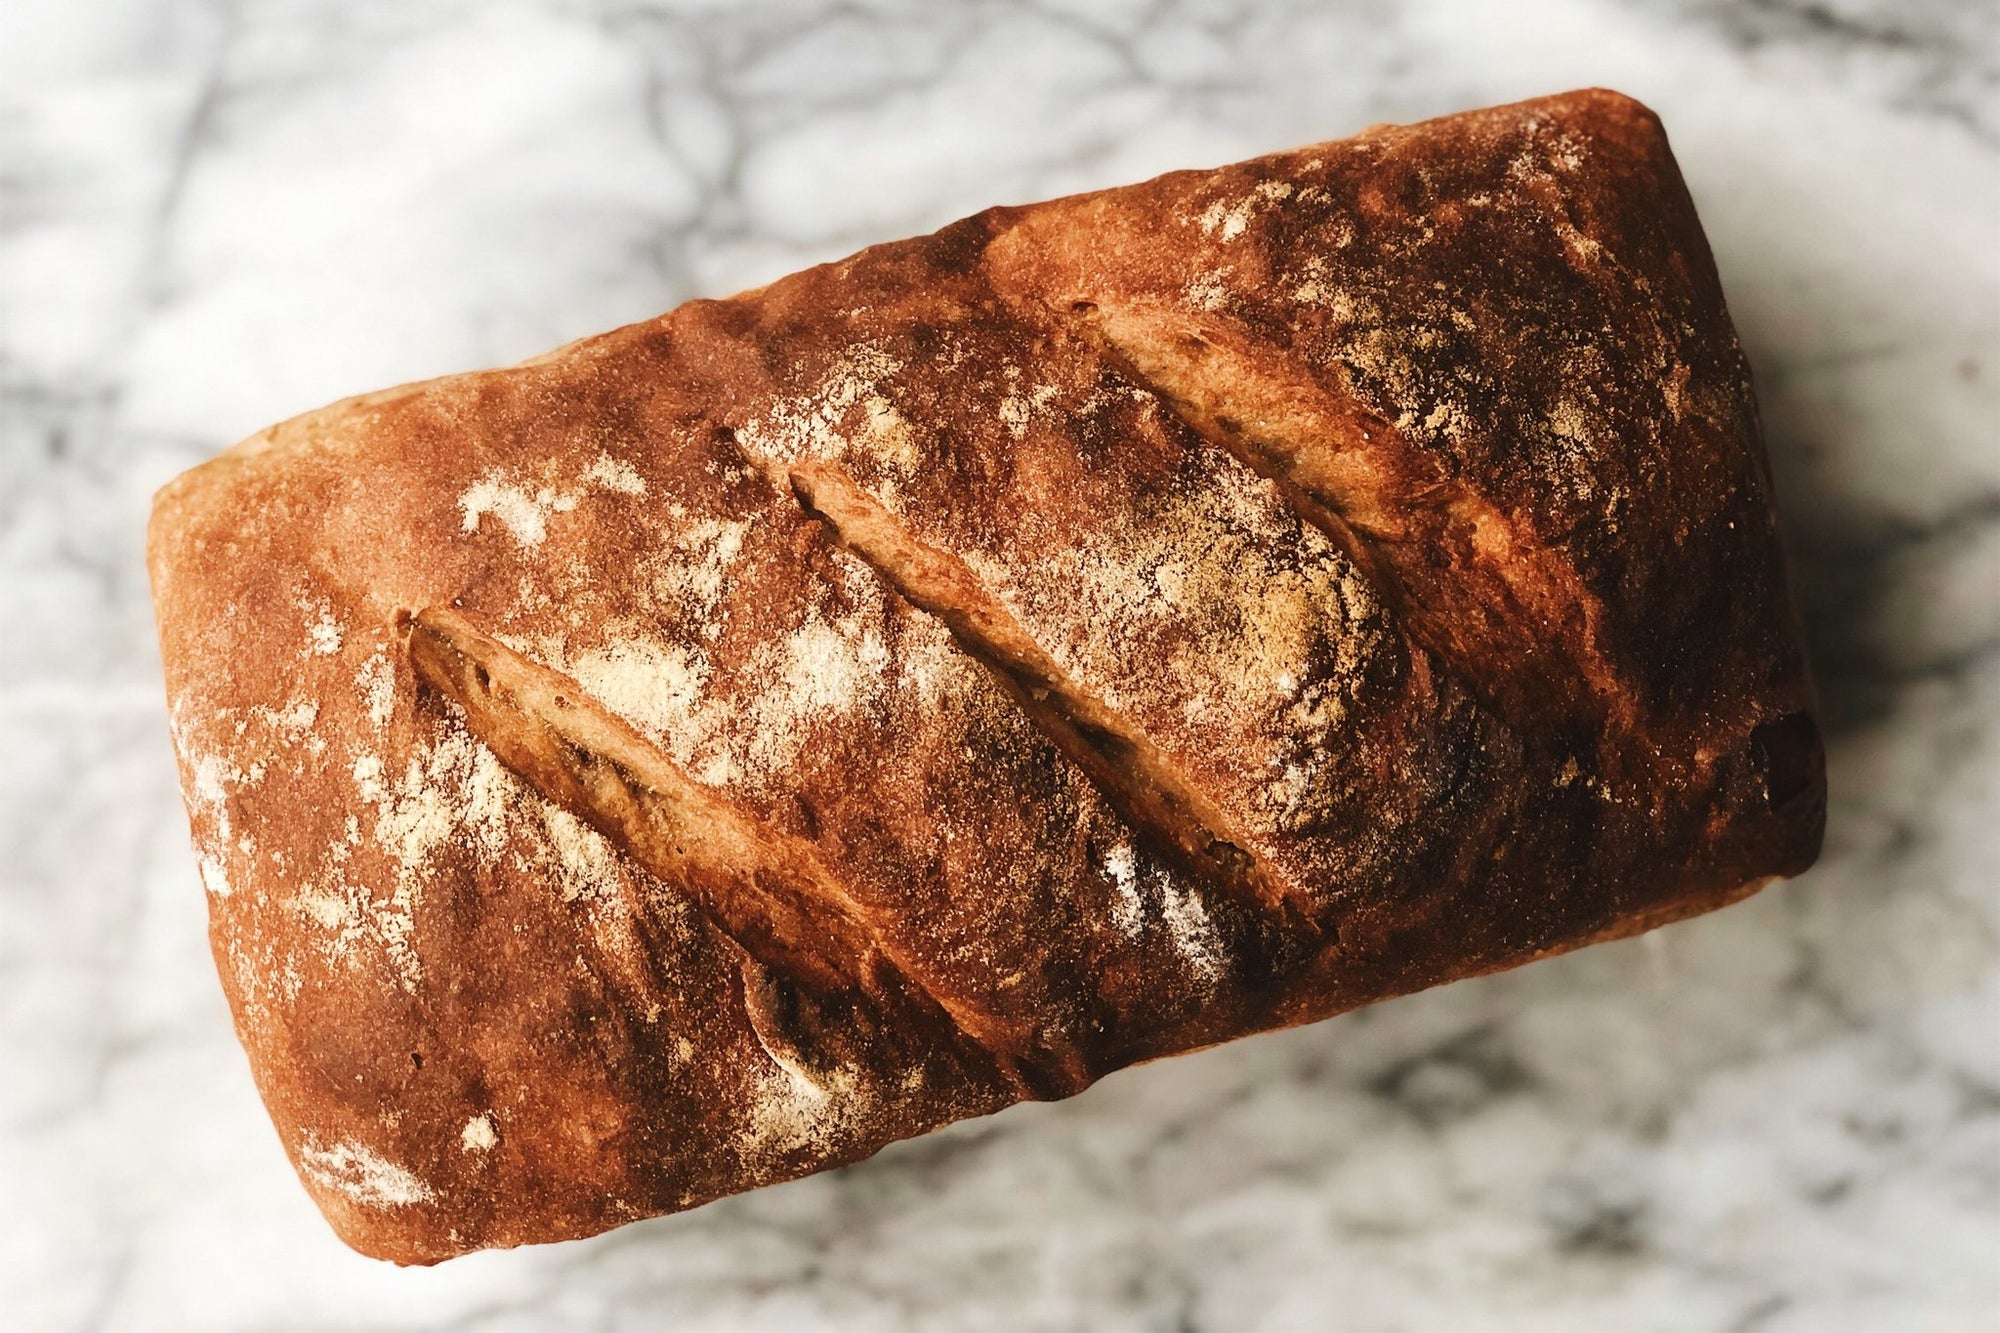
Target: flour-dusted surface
x,y
1338,701
1781,1117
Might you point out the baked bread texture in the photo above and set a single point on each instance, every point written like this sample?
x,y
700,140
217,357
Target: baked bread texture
x,y
722,747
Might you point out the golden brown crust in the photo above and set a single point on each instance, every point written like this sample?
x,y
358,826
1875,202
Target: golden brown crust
x,y
1097,630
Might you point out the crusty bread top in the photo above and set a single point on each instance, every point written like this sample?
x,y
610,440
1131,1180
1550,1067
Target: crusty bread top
x,y
1101,628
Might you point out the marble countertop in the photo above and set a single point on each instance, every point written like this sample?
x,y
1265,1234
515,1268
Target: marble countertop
x,y
1783,1117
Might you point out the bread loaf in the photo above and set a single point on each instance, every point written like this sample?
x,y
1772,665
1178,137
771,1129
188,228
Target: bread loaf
x,y
721,747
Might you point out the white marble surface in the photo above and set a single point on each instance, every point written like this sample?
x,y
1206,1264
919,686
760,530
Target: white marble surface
x,y
215,213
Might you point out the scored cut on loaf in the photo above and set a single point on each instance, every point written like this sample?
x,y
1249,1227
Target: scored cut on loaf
x,y
724,746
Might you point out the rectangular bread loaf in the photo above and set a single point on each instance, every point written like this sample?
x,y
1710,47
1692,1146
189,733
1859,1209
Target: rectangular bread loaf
x,y
1099,629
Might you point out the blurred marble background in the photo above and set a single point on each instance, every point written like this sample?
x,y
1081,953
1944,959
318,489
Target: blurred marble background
x,y
1786,1117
